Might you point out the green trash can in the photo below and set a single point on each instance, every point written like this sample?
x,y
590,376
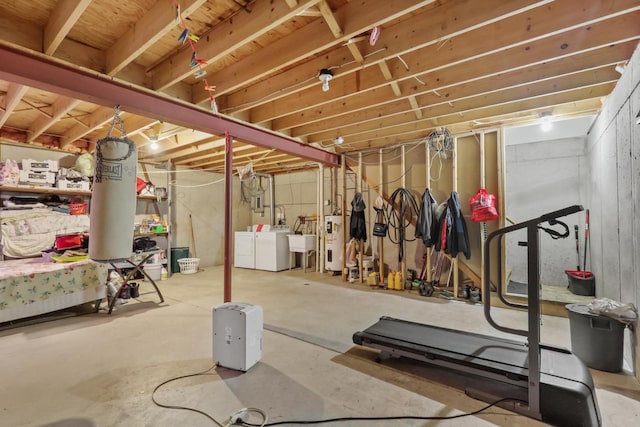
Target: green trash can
x,y
176,254
597,340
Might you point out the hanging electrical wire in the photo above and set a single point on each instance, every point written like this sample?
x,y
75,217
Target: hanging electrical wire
x,y
402,211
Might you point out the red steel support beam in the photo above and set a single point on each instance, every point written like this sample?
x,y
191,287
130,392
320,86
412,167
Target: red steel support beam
x,y
228,187
46,73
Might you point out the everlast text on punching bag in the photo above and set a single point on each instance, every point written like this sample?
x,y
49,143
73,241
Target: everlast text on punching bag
x,y
113,198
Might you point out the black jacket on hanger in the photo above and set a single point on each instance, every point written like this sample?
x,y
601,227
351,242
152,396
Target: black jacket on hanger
x,y
457,235
426,223
357,224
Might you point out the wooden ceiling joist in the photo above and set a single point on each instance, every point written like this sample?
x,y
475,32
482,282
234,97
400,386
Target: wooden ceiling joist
x,y
22,67
64,16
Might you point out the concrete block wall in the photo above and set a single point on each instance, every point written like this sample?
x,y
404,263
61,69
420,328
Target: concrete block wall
x,y
541,177
614,161
201,195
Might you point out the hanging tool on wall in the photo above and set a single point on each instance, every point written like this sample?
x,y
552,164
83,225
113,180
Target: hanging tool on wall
x,y
193,237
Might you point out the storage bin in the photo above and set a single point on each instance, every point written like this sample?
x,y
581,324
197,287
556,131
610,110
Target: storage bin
x,y
189,265
154,271
597,340
581,282
176,254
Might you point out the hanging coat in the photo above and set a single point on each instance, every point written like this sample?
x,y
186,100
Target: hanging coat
x,y
357,225
426,223
457,235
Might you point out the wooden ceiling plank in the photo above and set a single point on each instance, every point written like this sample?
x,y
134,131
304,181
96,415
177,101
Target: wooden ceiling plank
x,y
292,3
96,119
472,96
509,101
157,22
62,19
515,31
276,158
173,150
180,152
444,20
60,107
331,21
538,59
618,29
355,52
217,156
21,32
11,100
226,37
416,108
453,120
309,40
386,72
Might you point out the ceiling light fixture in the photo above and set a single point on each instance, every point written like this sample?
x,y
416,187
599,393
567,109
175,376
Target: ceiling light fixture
x,y
545,121
325,76
154,142
339,140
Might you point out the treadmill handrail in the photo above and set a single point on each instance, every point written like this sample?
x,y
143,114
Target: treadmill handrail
x,y
487,264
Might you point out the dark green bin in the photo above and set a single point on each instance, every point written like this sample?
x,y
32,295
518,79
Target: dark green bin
x,y
597,340
176,254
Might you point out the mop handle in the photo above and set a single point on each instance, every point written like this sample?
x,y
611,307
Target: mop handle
x,y
586,238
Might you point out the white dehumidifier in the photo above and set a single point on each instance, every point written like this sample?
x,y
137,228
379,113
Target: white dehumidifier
x,y
237,335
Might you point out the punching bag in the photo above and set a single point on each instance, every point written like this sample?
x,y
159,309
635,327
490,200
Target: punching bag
x,y
113,198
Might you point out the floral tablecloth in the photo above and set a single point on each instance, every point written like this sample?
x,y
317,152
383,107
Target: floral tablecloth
x,y
28,281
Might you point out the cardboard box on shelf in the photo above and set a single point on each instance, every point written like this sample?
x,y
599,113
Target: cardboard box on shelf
x,y
40,165
47,179
65,184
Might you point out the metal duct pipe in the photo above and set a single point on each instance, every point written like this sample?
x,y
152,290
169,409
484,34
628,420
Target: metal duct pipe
x,y
272,196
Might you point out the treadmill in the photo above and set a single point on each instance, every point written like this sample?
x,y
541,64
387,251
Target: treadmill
x,y
543,382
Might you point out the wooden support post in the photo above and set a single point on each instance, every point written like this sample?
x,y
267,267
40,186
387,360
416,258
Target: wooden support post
x,y
454,261
359,189
427,154
343,168
403,264
381,239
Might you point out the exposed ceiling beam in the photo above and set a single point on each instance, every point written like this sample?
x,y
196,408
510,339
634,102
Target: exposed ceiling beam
x,y
11,101
539,58
411,133
327,14
96,120
60,22
157,22
313,38
459,50
445,20
224,38
60,107
553,77
41,72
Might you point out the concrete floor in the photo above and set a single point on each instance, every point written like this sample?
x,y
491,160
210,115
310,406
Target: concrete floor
x,y
100,370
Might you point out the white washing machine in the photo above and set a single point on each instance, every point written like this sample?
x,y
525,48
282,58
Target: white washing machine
x,y
272,250
244,249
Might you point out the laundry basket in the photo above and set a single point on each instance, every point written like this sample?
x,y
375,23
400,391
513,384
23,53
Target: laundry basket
x,y
188,265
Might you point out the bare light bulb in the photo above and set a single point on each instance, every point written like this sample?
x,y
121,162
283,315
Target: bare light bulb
x,y
325,76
